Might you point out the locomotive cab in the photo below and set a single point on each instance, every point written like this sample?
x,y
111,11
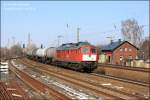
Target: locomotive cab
x,y
89,57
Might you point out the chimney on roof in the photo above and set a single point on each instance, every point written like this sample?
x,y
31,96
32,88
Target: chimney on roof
x,y
111,41
119,40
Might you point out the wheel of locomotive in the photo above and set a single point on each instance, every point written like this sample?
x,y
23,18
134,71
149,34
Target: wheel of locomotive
x,y
87,70
79,67
70,66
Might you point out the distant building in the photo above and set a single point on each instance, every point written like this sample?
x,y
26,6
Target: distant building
x,y
119,52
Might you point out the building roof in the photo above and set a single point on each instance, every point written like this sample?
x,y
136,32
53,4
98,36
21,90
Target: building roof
x,y
113,45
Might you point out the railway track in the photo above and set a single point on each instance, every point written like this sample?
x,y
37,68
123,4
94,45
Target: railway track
x,y
37,85
146,84
116,93
123,80
4,94
138,75
74,81
126,67
12,90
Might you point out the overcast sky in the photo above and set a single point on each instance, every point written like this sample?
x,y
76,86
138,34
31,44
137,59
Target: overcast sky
x,y
46,20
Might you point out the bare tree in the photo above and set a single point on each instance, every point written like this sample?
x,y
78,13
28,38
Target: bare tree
x,y
31,46
4,53
145,49
132,31
16,50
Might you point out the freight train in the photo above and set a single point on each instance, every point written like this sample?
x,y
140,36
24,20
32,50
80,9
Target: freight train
x,y
81,56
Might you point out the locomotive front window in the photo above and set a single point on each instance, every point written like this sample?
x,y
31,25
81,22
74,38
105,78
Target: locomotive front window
x,y
93,50
84,50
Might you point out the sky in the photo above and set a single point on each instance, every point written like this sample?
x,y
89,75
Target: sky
x,y
46,20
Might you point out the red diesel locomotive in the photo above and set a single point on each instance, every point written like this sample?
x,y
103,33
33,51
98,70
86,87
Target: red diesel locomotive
x,y
78,56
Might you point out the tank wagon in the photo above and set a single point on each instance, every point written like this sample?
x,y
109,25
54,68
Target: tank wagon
x,y
45,55
31,53
80,56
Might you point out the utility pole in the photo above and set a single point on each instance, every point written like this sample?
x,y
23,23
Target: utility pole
x,y
8,43
78,29
58,37
20,43
29,40
8,48
67,33
13,39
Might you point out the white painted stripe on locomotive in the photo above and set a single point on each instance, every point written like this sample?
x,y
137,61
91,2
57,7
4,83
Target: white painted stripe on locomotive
x,y
88,57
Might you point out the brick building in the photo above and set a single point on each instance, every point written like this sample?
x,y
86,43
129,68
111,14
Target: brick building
x,y
119,52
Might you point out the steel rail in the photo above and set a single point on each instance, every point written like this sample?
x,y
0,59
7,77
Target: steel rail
x,y
37,85
46,70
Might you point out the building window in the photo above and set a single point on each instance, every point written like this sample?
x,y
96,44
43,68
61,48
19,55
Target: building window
x,y
121,58
125,49
120,49
130,49
130,57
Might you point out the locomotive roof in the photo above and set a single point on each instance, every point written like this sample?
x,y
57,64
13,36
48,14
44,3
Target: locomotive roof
x,y
72,45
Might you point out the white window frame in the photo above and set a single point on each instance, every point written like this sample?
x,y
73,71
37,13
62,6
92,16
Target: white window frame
x,y
121,49
121,58
130,57
130,49
125,49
